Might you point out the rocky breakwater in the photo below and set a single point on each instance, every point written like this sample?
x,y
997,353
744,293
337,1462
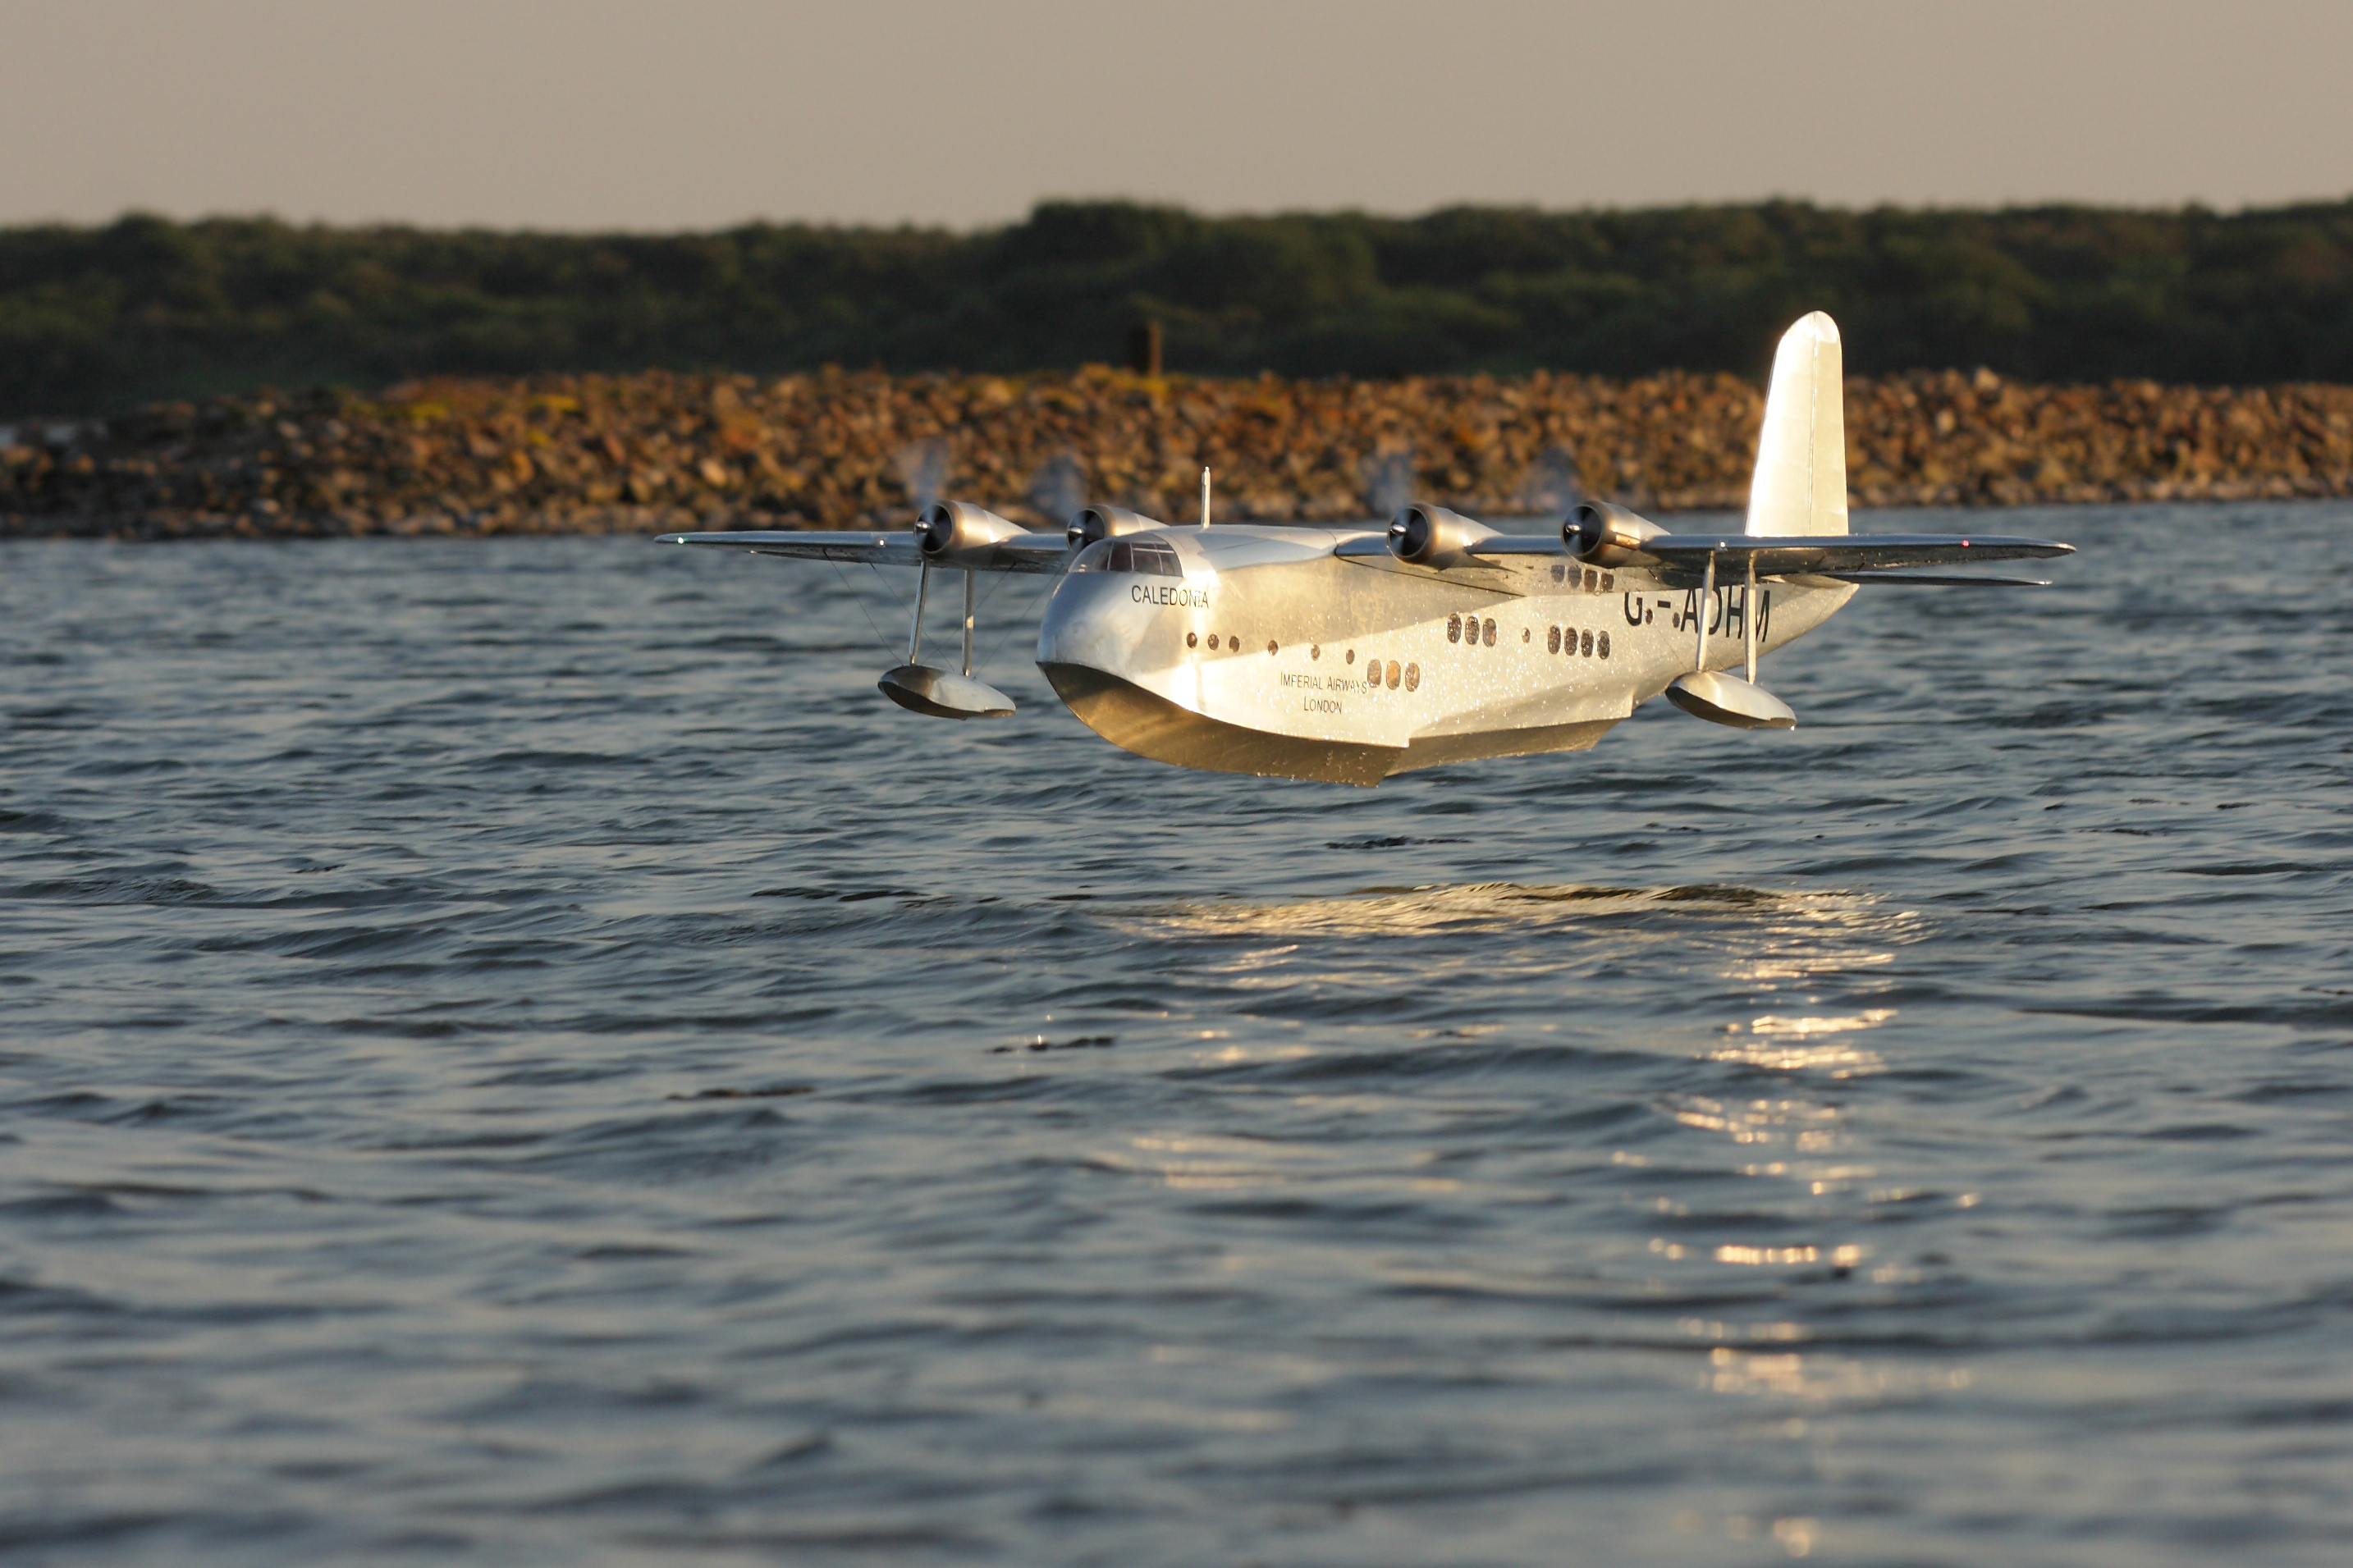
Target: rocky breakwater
x,y
560,454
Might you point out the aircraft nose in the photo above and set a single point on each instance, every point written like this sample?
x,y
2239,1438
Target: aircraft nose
x,y
1082,624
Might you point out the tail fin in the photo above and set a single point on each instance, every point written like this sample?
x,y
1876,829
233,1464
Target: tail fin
x,y
1799,486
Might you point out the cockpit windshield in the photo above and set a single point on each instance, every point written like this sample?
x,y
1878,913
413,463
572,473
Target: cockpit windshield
x,y
1152,557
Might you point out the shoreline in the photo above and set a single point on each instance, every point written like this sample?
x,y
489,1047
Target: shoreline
x,y
650,452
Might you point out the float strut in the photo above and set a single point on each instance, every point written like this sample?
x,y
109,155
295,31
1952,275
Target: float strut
x,y
1706,592
967,622
915,635
1749,617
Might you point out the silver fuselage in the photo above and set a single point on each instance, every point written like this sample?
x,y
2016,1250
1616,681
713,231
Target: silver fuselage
x,y
1288,686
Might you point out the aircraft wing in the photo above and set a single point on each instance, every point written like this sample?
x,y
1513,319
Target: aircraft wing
x,y
1491,544
1518,544
1040,553
1823,553
1683,558
1934,580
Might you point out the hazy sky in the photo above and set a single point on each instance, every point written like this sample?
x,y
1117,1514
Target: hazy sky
x,y
594,113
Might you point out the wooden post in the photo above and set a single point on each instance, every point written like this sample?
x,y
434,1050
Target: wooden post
x,y
1144,348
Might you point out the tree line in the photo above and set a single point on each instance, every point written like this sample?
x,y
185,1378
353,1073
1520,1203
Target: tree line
x,y
93,320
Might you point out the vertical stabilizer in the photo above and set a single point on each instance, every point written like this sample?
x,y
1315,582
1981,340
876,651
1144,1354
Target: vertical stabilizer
x,y
1799,486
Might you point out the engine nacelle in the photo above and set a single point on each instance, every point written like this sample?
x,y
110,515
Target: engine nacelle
x,y
1426,535
1094,522
1600,535
948,528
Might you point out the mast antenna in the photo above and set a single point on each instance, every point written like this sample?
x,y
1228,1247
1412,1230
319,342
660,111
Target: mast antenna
x,y
1205,496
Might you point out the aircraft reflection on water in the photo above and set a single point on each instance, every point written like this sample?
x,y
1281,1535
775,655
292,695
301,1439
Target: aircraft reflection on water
x,y
1772,941
1769,947
1349,654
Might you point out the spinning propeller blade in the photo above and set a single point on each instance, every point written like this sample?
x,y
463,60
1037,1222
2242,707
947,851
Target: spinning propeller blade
x,y
923,469
1058,490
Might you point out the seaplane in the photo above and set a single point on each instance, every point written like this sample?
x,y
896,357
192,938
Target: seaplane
x,y
1349,654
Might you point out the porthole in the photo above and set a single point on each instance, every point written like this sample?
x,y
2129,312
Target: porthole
x,y
1552,641
1606,580
1396,674
1192,639
1352,656
1213,642
1490,634
1525,633
1559,572
1586,649
1592,579
1270,645
1314,650
1602,646
1454,629
1412,676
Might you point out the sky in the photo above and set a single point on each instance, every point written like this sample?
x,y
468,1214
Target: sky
x,y
598,114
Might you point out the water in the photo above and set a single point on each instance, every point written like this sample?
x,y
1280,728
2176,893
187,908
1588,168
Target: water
x,y
515,1053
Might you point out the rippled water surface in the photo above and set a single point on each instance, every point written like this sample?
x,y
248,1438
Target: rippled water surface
x,y
513,1052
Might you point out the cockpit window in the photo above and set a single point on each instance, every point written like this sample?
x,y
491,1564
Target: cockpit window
x,y
1149,556
1156,559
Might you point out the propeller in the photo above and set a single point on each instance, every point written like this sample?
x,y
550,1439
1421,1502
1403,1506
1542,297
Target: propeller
x,y
1552,484
923,469
1389,481
1059,489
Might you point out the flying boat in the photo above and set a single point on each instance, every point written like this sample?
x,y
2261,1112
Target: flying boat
x,y
1349,654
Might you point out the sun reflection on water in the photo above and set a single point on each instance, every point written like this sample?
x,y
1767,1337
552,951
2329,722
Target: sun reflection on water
x,y
1819,1378
1796,1043
1766,915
